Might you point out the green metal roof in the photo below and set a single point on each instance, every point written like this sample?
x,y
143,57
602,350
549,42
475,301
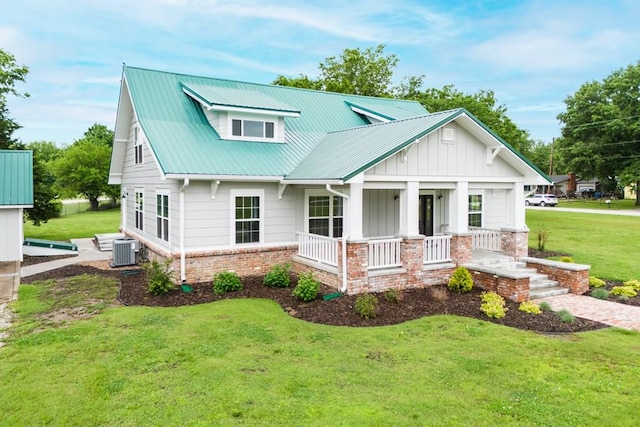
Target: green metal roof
x,y
389,112
184,142
230,97
16,178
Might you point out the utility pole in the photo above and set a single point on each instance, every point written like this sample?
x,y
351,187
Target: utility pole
x,y
553,140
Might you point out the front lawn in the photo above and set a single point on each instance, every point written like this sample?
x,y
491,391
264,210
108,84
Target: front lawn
x,y
245,361
84,224
609,243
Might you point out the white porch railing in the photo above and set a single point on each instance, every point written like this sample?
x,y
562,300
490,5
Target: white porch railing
x,y
437,249
318,248
384,253
486,239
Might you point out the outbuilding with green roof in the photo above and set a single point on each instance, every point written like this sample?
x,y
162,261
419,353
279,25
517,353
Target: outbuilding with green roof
x,y
367,193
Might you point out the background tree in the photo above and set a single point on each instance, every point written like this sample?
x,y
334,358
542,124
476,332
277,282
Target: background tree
x,y
601,133
540,155
10,73
83,168
370,72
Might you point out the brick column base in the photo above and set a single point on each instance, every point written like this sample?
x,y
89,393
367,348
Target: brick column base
x,y
411,254
357,266
515,243
461,248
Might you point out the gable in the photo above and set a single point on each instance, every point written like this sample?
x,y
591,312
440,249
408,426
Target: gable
x,y
16,178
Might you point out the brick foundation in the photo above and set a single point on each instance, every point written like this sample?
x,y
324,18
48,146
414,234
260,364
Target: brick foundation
x,y
461,248
514,289
515,243
568,275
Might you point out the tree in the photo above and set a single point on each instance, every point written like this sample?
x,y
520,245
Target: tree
x,y
484,106
601,133
540,155
83,167
10,73
358,72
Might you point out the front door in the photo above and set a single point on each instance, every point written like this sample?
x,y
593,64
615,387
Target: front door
x,y
425,215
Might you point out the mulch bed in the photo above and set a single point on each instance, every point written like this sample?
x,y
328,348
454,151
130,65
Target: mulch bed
x,y
31,260
628,300
412,303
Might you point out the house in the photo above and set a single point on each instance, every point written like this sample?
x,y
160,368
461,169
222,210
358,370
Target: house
x,y
16,194
367,193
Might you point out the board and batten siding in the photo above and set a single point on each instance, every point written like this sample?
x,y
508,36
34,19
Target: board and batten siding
x,y
11,232
381,213
465,156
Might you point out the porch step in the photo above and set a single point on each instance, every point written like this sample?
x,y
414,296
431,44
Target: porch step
x,y
541,283
547,292
105,241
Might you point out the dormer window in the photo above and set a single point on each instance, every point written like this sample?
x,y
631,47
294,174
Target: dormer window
x,y
252,128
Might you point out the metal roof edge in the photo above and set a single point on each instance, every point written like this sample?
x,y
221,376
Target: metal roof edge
x,y
206,177
369,110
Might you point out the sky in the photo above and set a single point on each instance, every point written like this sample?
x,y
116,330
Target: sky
x,y
532,54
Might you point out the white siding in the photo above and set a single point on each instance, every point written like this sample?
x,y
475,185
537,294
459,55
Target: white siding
x,y
11,232
466,156
380,213
495,209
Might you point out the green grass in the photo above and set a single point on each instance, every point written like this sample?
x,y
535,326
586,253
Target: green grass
x,y
606,242
625,204
84,224
246,362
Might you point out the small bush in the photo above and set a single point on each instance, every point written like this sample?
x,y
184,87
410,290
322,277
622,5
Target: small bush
x,y
367,306
493,305
566,259
307,289
635,284
460,281
594,282
529,307
545,307
392,295
159,276
542,234
439,293
226,281
600,293
624,291
279,276
565,316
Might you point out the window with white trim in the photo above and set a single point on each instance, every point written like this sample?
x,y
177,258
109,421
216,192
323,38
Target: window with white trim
x,y
475,210
139,209
137,147
162,216
252,128
325,215
248,213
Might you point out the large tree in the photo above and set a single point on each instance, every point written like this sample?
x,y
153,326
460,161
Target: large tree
x,y
10,74
83,167
601,133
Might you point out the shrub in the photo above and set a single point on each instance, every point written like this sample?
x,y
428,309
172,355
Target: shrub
x,y
367,306
566,259
565,316
529,307
545,307
159,276
460,281
600,293
392,295
542,234
624,291
635,284
307,289
493,305
226,281
439,293
594,282
279,276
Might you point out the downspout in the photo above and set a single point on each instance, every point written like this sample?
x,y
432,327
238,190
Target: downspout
x,y
344,241
183,273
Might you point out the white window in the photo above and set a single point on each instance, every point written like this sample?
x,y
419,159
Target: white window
x,y
139,209
247,216
137,147
475,210
162,216
324,213
252,128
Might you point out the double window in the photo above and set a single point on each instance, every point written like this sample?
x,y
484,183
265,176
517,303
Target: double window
x,y
139,210
162,216
247,216
252,129
475,210
325,215
137,147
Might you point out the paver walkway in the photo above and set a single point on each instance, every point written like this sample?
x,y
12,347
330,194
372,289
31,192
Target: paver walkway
x,y
607,312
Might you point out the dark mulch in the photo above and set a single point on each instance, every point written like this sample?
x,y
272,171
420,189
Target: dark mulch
x,y
31,260
412,304
626,300
545,254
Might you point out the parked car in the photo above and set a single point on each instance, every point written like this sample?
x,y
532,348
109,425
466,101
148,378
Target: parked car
x,y
541,200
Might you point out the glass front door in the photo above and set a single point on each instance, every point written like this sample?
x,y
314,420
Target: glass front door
x,y
425,215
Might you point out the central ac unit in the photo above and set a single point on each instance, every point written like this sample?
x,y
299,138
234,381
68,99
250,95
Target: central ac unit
x,y
124,252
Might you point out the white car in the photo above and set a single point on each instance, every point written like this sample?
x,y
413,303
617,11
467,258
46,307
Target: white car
x,y
541,200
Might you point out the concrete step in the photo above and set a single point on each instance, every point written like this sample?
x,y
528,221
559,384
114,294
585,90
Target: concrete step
x,y
547,292
539,276
105,241
542,283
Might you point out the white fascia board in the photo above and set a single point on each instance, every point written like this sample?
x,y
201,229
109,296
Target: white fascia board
x,y
227,178
405,178
313,181
16,206
369,114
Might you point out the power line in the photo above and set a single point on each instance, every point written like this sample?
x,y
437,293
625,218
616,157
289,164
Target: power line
x,y
602,122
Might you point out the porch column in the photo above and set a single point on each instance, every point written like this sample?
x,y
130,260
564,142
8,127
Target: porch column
x,y
459,208
354,210
515,204
409,198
